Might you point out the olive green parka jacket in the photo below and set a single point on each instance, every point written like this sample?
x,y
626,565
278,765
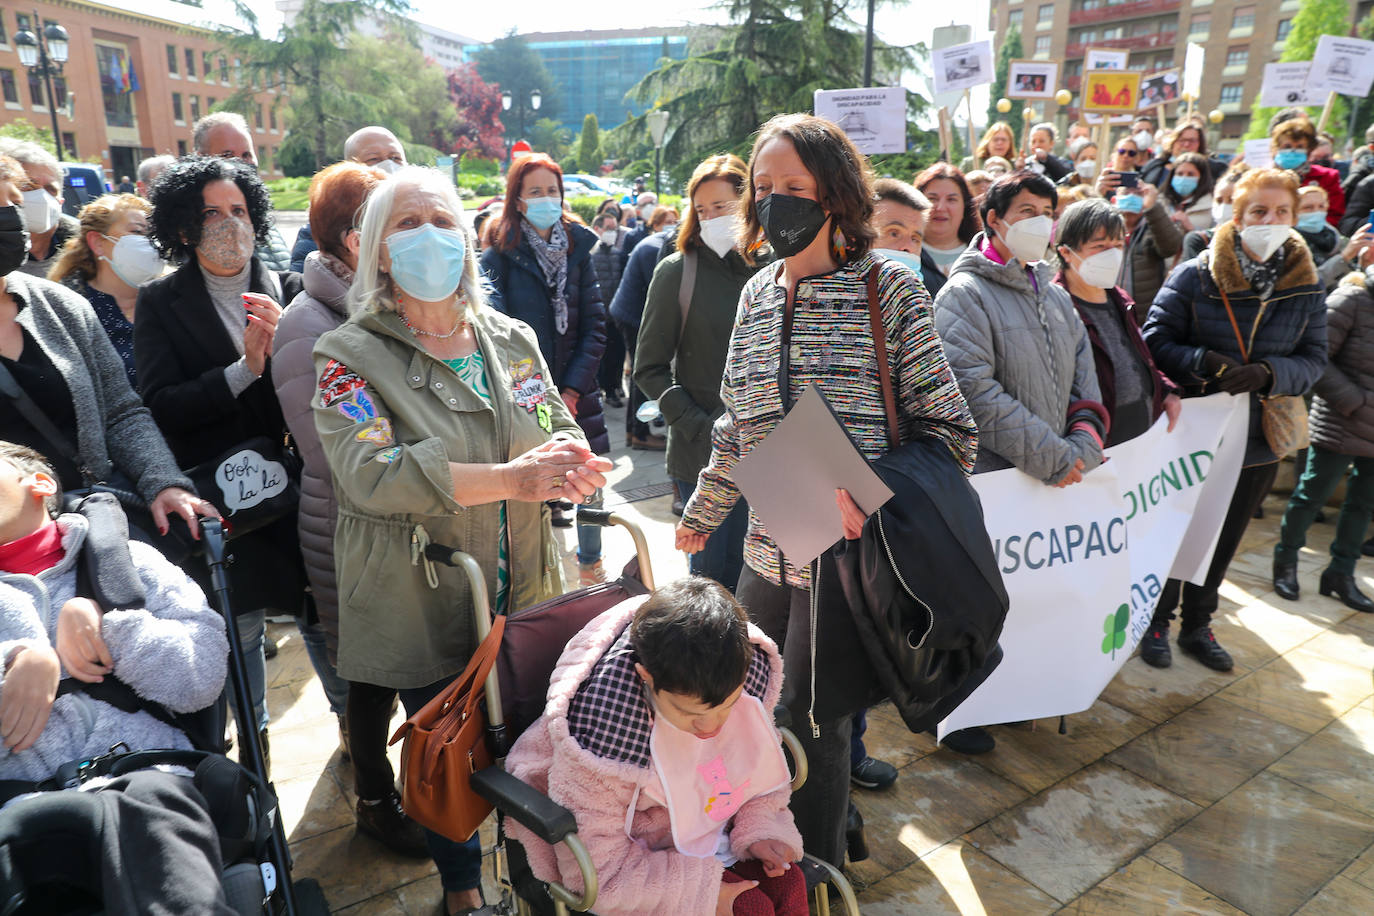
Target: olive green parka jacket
x,y
391,418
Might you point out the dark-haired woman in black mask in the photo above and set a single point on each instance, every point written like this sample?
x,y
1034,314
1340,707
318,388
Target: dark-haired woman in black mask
x,y
90,424
809,195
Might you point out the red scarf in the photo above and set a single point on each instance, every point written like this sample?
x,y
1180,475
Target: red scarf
x,y
33,553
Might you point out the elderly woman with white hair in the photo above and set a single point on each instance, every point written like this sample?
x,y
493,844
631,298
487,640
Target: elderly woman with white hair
x,y
440,422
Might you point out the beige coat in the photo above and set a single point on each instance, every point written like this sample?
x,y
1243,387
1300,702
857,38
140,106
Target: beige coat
x,y
391,417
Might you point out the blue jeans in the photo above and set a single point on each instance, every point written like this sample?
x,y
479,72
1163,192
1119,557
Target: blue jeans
x,y
335,687
252,626
460,864
857,752
589,536
723,557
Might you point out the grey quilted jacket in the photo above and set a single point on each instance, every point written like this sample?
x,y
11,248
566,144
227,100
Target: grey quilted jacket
x,y
1022,359
1343,409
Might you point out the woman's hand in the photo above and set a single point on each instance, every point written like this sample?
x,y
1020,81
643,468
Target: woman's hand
x,y
1149,194
263,314
1184,223
1108,182
175,500
571,398
1173,406
851,516
80,647
1359,243
30,687
559,468
1074,476
689,540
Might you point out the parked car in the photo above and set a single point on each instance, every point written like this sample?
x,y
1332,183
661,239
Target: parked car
x,y
588,185
81,184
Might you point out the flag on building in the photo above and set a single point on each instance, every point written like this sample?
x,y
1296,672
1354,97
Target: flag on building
x,y
133,77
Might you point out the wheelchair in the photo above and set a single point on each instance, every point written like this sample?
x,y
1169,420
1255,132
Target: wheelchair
x,y
515,698
48,865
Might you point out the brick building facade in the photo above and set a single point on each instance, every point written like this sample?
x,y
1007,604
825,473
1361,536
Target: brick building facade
x,y
134,82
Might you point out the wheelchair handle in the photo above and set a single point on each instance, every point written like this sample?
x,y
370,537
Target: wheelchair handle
x,y
565,898
793,745
605,518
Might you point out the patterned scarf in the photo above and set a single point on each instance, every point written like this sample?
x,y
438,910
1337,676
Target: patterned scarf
x,y
553,260
1262,276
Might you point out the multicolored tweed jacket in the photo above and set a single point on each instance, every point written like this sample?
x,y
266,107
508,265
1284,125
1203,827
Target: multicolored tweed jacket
x,y
831,347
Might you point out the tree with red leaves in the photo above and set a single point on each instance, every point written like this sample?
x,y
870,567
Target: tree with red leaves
x,y
478,103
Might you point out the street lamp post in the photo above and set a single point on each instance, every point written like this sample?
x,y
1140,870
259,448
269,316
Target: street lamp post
x,y
658,126
507,100
45,57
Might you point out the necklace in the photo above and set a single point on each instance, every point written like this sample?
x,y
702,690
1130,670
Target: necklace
x,y
458,325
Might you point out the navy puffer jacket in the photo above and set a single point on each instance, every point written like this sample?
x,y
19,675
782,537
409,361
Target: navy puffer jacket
x,y
520,291
1289,328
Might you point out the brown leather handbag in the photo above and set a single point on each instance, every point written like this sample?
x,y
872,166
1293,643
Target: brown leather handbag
x,y
445,743
1283,417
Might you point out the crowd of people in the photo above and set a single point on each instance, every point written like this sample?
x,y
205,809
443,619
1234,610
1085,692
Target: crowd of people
x,y
441,384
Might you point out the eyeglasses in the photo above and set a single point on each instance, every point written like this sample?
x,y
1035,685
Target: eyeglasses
x,y
1127,152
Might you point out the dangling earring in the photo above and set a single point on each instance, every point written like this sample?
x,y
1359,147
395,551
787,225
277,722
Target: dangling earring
x,y
837,245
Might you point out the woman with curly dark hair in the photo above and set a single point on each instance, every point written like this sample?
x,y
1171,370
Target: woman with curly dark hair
x,y
202,347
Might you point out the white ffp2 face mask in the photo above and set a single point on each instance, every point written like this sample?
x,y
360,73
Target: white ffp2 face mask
x,y
1028,238
1101,269
134,259
720,233
1222,212
1264,240
41,211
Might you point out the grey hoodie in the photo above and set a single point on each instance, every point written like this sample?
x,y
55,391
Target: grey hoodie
x,y
1021,356
173,652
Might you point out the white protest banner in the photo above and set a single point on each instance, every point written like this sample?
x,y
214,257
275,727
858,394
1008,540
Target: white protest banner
x,y
1285,84
1257,153
962,66
1340,64
947,36
1195,552
1193,61
875,119
1080,599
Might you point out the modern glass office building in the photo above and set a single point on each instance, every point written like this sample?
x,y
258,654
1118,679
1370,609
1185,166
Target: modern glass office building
x,y
593,71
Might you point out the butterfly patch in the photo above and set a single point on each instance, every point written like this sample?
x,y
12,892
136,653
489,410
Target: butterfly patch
x,y
389,455
337,382
358,407
377,432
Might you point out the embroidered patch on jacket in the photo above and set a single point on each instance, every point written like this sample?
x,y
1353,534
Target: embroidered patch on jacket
x,y
389,455
337,382
378,432
528,386
358,408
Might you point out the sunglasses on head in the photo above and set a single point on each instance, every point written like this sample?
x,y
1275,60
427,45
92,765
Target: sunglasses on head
x,y
1127,152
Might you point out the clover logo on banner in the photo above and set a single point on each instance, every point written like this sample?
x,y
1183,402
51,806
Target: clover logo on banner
x,y
1115,627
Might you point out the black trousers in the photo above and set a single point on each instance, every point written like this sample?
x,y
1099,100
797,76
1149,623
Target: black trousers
x,y
821,806
369,724
1197,603
612,369
634,397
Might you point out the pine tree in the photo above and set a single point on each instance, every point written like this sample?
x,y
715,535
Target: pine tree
x,y
1314,19
589,146
1011,50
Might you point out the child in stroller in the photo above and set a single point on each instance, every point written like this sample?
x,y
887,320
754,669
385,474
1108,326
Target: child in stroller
x,y
159,851
658,736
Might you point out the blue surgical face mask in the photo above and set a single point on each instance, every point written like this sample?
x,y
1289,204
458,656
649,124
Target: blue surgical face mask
x,y
1290,158
543,212
1312,221
1183,185
427,262
1130,203
905,258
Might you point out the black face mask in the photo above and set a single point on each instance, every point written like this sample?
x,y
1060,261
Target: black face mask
x,y
790,223
14,240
